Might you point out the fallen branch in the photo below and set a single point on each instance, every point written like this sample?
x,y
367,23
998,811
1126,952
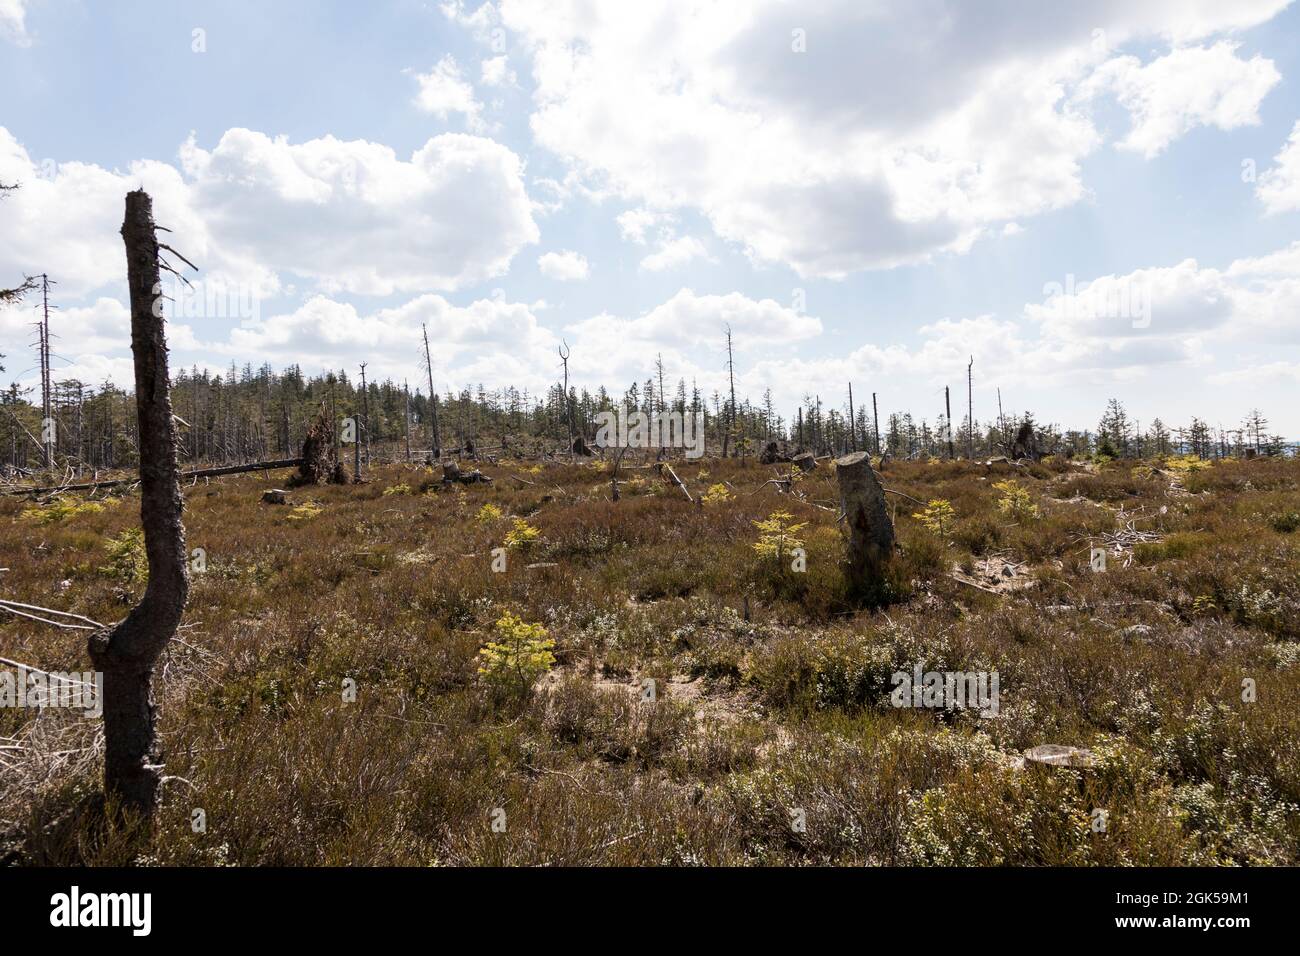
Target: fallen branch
x,y
49,610
677,481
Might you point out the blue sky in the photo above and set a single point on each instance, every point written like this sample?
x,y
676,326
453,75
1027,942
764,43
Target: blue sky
x,y
877,206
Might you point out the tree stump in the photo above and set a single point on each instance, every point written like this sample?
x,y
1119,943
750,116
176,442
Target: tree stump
x,y
451,474
871,533
274,496
805,461
126,653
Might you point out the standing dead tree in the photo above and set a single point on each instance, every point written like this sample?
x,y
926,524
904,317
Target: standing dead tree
x,y
435,440
970,411
871,533
731,405
568,406
126,654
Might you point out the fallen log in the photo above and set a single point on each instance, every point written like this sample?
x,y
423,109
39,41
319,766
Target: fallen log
x,y
197,473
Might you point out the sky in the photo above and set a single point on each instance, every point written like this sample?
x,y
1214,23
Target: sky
x,y
1092,200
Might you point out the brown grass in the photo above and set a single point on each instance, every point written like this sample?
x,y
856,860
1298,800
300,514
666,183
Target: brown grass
x,y
757,716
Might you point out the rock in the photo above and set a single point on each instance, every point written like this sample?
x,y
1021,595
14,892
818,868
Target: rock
x,y
274,496
1059,755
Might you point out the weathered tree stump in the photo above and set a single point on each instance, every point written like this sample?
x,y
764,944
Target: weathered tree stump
x,y
805,461
452,474
871,533
274,496
126,654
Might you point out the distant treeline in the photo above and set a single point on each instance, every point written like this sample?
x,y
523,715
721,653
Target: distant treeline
x,y
251,414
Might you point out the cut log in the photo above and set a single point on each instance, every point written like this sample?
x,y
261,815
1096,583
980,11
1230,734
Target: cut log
x,y
126,654
871,532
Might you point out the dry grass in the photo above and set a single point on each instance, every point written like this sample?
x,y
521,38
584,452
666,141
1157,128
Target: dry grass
x,y
772,692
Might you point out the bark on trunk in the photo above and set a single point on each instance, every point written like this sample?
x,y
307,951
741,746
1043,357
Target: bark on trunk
x,y
127,653
871,533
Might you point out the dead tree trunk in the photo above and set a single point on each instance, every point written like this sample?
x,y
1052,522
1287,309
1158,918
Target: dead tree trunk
x,y
871,533
126,654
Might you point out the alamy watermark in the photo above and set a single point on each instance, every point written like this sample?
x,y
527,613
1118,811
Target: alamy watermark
x,y
207,299
75,690
946,690
1105,298
619,429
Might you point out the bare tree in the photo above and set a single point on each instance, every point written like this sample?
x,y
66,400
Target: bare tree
x,y
568,408
731,406
435,439
126,654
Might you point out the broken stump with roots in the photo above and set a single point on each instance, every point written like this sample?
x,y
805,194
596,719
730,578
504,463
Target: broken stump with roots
x,y
320,460
871,532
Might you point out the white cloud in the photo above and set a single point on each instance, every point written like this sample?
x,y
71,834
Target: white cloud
x,y
1279,187
634,223
479,21
1189,87
690,322
495,71
353,216
889,141
444,90
565,266
488,340
346,216
13,24
1266,372
65,218
674,253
